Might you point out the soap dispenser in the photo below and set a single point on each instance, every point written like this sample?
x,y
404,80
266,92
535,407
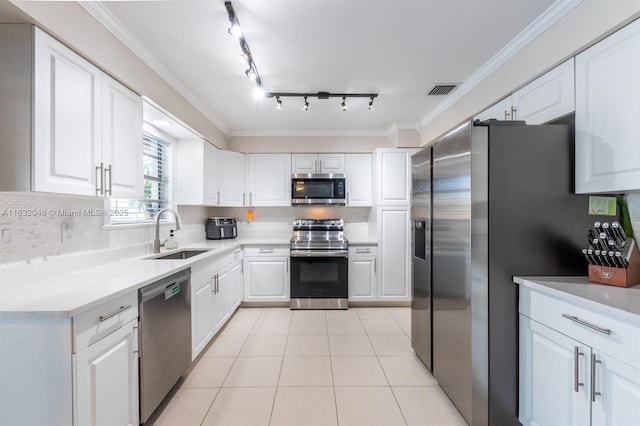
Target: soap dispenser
x,y
172,241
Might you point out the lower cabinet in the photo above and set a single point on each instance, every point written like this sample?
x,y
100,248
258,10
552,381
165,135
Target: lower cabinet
x,y
394,242
363,270
572,373
106,380
266,274
216,292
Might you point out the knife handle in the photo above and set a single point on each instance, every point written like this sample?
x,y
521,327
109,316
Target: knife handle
x,y
621,260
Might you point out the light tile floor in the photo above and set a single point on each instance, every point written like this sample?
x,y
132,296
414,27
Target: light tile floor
x,y
274,366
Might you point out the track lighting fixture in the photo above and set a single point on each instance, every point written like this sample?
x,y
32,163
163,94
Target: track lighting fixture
x,y
253,75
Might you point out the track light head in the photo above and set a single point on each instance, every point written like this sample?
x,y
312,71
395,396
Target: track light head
x,y
250,73
235,30
371,107
343,105
258,92
278,102
306,104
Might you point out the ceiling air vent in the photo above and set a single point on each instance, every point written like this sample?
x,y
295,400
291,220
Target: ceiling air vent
x,y
442,89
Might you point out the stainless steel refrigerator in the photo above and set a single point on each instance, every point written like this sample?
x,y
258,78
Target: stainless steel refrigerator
x,y
501,204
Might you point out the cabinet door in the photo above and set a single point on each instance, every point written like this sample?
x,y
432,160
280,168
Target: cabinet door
x,y
393,244
548,377
221,289
362,278
359,179
232,179
546,98
266,279
67,131
331,163
210,174
499,111
269,179
236,286
106,380
121,140
393,177
201,316
607,149
619,387
304,163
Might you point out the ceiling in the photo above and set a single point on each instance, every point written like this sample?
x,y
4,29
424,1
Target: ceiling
x,y
397,48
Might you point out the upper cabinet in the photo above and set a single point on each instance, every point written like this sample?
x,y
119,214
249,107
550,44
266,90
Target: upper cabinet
x,y
607,107
269,179
318,163
548,97
393,180
196,178
232,178
71,128
359,179
87,127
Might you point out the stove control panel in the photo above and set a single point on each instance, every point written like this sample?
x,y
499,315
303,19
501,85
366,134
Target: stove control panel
x,y
337,224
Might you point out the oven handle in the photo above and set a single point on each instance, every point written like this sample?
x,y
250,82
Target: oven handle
x,y
319,253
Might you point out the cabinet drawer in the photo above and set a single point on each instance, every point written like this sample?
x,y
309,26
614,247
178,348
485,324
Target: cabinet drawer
x,y
621,342
202,271
96,323
266,251
236,255
363,251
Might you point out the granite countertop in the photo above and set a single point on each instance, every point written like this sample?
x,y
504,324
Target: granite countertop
x,y
618,301
68,294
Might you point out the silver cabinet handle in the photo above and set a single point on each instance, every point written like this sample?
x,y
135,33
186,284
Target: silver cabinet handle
x,y
513,112
576,369
363,250
108,170
594,361
586,324
347,198
237,253
251,198
320,166
287,265
244,196
114,313
265,250
506,115
99,190
315,166
375,266
218,193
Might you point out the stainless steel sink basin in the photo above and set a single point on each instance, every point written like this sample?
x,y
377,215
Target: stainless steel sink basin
x,y
182,254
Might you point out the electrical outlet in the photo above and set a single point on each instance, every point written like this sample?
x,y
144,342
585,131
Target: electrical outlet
x,y
6,235
66,234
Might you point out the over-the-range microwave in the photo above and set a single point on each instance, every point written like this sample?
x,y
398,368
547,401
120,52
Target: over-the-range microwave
x,y
319,189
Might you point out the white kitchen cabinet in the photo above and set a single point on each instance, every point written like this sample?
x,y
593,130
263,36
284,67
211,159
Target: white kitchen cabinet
x,y
237,280
202,322
269,178
548,97
548,362
106,380
232,179
363,273
393,177
578,364
359,179
222,282
607,131
266,274
87,126
196,177
318,163
394,241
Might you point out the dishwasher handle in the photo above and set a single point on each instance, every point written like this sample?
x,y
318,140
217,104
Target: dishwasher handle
x,y
166,285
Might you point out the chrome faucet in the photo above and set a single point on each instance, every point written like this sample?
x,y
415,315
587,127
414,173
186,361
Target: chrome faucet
x,y
156,242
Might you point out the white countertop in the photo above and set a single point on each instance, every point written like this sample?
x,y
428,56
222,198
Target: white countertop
x,y
69,294
618,301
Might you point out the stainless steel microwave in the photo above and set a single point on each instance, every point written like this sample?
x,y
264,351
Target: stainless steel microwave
x,y
323,189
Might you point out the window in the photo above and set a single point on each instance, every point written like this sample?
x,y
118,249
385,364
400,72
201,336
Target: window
x,y
156,155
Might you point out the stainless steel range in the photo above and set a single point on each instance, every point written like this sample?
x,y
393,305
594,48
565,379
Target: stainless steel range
x,y
319,264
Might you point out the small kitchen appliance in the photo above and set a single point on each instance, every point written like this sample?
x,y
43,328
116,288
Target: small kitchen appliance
x,y
221,228
319,264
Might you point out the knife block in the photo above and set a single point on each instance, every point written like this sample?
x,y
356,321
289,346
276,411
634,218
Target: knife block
x,y
620,277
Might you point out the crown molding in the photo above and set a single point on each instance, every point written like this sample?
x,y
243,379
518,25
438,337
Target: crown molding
x,y
122,33
311,133
542,23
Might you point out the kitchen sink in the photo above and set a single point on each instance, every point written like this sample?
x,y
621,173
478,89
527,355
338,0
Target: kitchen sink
x,y
182,254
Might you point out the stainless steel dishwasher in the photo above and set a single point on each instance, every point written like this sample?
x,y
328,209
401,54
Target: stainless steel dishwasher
x,y
165,338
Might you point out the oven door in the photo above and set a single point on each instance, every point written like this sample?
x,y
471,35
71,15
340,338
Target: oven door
x,y
320,277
